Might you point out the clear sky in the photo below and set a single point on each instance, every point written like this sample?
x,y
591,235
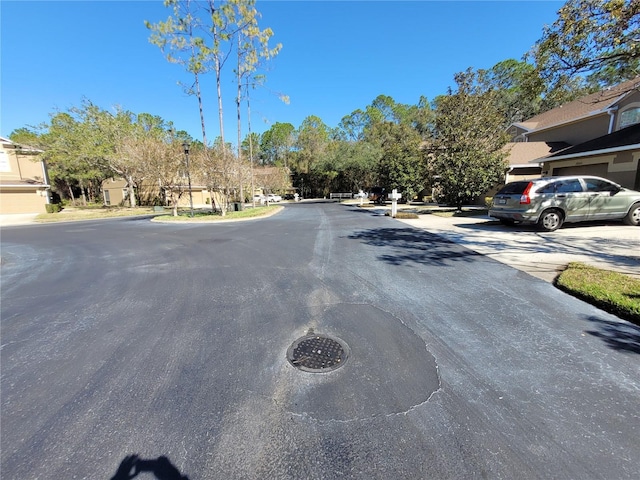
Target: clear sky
x,y
336,57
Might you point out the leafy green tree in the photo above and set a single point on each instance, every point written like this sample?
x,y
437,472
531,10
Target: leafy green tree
x,y
312,141
202,36
165,165
352,126
401,165
63,153
251,145
356,164
518,89
114,137
467,155
26,136
598,38
276,144
178,39
72,158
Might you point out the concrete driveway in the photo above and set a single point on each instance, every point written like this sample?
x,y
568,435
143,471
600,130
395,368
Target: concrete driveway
x,y
612,246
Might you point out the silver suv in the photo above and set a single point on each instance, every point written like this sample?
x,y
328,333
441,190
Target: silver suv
x,y
551,201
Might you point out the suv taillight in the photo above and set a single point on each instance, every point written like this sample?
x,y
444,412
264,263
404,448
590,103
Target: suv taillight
x,y
524,198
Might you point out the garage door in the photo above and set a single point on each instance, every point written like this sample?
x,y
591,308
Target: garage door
x,y
598,170
22,201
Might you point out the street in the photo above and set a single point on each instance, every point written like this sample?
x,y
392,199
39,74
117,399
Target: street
x,y
169,341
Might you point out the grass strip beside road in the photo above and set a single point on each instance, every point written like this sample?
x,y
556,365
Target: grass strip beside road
x,y
93,213
610,291
208,216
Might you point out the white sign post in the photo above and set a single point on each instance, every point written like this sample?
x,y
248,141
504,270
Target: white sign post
x,y
394,196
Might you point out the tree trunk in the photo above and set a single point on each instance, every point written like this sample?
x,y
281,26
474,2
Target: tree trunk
x,y
73,198
132,193
238,100
83,192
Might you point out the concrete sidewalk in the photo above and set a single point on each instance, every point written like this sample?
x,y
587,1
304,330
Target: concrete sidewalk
x,y
17,219
611,246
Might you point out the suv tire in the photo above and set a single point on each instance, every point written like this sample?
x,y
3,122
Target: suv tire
x,y
550,220
633,217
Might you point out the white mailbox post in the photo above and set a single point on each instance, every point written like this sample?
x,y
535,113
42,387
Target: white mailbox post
x,y
394,196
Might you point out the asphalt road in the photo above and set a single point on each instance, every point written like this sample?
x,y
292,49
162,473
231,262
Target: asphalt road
x,y
126,337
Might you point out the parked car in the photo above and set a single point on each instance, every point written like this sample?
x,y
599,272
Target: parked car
x,y
378,195
551,201
259,199
274,198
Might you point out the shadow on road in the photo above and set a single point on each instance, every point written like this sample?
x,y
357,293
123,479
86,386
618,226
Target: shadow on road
x,y
414,246
161,468
619,336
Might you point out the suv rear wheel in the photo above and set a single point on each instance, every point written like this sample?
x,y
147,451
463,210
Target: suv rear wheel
x,y
633,217
550,220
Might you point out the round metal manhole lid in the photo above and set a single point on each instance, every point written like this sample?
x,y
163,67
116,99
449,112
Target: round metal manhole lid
x,y
317,353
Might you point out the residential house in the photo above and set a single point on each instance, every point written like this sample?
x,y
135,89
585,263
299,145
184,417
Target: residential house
x,y
598,134
24,184
266,179
115,192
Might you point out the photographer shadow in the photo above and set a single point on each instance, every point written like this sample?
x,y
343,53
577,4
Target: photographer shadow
x,y
161,467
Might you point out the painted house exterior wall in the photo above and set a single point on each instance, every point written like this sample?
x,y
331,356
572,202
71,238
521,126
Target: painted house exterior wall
x,y
599,134
115,192
24,185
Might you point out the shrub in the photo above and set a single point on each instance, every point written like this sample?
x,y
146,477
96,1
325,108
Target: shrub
x,y
53,207
403,214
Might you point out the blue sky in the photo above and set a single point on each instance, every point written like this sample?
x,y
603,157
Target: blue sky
x,y
336,57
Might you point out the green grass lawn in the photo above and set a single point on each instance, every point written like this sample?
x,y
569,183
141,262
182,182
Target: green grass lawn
x,y
611,291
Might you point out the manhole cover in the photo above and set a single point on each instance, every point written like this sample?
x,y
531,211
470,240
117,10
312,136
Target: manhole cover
x,y
317,353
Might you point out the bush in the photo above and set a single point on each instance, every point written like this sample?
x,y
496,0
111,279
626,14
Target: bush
x,y
53,207
403,214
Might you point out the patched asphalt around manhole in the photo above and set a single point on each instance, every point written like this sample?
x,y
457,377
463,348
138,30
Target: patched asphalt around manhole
x,y
315,353
389,368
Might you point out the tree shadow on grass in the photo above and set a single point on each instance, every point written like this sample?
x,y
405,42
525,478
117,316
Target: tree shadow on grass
x,y
620,336
409,245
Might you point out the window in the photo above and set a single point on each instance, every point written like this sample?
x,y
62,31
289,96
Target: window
x,y
629,117
514,188
569,186
551,188
595,185
562,186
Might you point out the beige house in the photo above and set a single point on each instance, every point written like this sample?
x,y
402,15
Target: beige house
x,y
595,135
265,180
24,184
115,192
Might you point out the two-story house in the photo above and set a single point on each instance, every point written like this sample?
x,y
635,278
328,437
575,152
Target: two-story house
x,y
24,185
598,134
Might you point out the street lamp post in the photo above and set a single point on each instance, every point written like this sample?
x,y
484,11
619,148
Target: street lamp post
x,y
185,146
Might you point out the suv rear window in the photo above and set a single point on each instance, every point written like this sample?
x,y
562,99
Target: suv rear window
x,y
513,188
